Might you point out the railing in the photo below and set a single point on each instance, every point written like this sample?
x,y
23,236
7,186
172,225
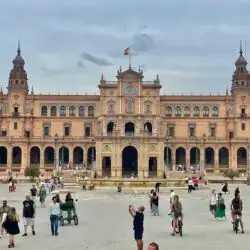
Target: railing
x,y
15,114
129,133
152,174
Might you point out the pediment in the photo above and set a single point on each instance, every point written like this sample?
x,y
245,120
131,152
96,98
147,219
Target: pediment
x,y
129,75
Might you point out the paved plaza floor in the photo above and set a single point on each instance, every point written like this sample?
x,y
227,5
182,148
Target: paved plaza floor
x,y
105,224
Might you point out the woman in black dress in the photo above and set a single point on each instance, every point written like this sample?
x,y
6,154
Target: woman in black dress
x,y
11,226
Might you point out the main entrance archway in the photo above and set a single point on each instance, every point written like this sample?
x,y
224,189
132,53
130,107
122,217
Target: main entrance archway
x,y
129,161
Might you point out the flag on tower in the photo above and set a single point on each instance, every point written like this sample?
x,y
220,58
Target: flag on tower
x,y
126,51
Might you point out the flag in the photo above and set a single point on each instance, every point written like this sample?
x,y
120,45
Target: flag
x,y
126,51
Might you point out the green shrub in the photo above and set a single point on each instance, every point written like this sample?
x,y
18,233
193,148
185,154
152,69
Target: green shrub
x,y
232,174
32,172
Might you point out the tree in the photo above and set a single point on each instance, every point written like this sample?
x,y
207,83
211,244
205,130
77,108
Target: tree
x,y
32,172
232,174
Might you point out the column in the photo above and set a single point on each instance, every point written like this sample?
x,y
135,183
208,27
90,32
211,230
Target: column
x,y
188,159
173,158
98,162
24,158
42,158
234,157
85,157
202,159
9,158
160,161
216,163
57,160
71,157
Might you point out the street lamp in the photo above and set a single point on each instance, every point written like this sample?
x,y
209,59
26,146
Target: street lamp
x,y
92,154
204,142
248,165
55,140
62,161
167,151
196,152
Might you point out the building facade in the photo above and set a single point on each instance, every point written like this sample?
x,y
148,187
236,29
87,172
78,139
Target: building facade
x,y
129,128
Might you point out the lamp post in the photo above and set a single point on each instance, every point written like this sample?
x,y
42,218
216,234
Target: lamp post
x,y
248,164
204,143
55,140
92,154
196,152
167,151
62,161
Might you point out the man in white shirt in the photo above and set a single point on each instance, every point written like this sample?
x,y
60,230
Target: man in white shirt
x,y
213,202
54,211
171,199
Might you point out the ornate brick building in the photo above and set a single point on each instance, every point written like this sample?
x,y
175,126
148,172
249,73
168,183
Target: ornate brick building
x,y
128,128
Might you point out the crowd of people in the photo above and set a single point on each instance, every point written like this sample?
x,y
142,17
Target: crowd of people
x,y
10,219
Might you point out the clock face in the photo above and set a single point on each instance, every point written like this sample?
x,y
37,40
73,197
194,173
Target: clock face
x,y
130,90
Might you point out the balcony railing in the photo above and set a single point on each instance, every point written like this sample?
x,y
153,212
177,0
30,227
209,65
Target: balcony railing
x,y
129,133
15,114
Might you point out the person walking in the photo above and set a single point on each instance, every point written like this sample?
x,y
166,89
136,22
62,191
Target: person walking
x,y
33,193
155,204
221,208
138,224
4,211
171,200
213,202
54,211
42,195
11,226
190,185
29,214
157,187
153,246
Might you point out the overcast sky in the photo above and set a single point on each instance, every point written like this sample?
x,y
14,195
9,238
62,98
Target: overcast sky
x,y
67,45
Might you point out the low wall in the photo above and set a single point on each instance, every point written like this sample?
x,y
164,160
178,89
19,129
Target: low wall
x,y
133,183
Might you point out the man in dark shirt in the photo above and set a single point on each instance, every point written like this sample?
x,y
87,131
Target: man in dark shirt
x,y
29,213
138,224
33,192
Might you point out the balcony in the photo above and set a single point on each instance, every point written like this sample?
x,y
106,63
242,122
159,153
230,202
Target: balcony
x,y
129,133
243,115
15,114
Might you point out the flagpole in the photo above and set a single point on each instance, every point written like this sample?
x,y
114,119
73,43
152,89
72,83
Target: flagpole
x,y
129,57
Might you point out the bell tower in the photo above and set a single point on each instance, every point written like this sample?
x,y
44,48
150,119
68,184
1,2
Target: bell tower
x,y
241,76
18,81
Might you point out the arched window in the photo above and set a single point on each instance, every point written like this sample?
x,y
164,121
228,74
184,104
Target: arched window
x,y
206,111
72,111
178,111
44,111
62,111
168,111
186,111
215,111
129,107
81,111
91,111
196,111
53,111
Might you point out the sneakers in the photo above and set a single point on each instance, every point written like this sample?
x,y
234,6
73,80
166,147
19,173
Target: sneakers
x,y
56,234
33,232
1,236
25,234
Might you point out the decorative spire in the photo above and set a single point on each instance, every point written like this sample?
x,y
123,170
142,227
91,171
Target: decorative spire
x,y
227,91
241,51
102,78
32,91
19,49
